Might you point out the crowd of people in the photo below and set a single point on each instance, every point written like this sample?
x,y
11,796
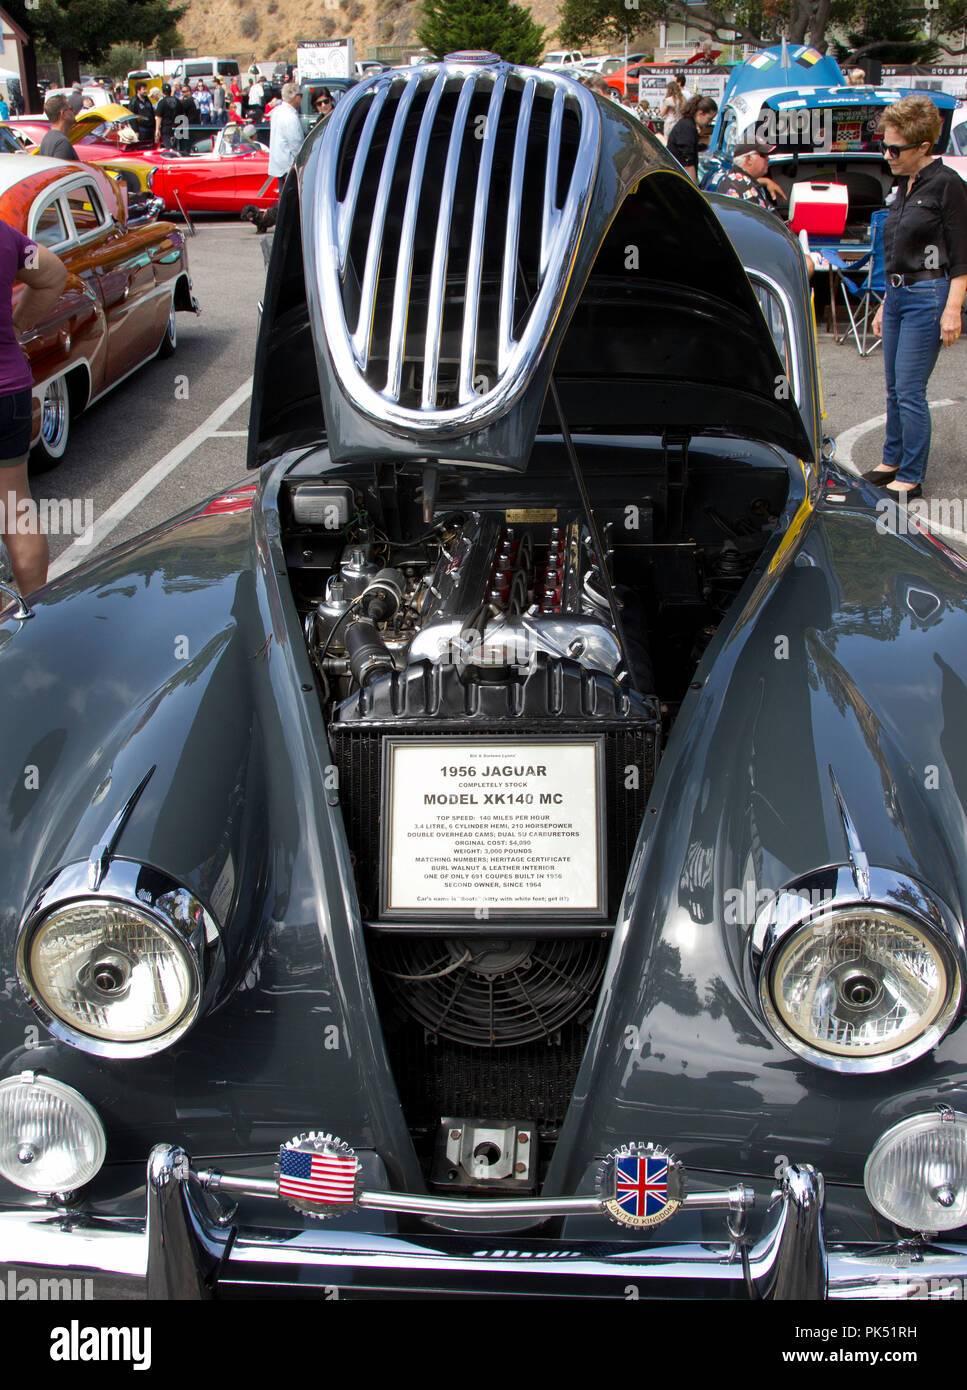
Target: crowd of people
x,y
926,213
215,102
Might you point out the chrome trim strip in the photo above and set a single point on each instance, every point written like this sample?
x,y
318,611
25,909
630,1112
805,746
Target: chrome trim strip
x,y
346,209
416,1204
854,847
404,258
783,299
471,303
551,215
362,337
508,286
441,248
100,854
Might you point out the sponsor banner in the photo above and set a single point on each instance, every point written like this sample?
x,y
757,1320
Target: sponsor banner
x,y
325,58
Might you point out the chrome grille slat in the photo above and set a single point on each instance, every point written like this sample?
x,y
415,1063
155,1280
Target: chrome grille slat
x,y
404,259
347,207
374,251
434,312
552,216
505,332
403,183
471,306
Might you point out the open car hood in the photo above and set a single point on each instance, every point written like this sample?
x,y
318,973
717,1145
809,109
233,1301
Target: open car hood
x,y
458,234
88,121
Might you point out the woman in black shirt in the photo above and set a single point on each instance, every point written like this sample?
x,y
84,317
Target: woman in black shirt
x,y
698,115
925,241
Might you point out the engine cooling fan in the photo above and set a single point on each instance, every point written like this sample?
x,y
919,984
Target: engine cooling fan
x,y
492,992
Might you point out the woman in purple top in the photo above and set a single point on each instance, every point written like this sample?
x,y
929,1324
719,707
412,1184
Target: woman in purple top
x,y
44,277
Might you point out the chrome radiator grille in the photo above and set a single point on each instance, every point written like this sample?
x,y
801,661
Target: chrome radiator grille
x,y
445,229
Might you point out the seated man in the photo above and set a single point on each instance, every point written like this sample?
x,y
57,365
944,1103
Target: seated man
x,y
748,178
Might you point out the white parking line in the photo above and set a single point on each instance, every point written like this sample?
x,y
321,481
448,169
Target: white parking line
x,y
846,440
126,503
844,459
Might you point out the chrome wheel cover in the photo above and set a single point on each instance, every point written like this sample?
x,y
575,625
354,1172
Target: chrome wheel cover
x,y
54,414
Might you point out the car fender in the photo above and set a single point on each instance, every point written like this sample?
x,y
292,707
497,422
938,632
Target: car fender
x,y
804,684
193,683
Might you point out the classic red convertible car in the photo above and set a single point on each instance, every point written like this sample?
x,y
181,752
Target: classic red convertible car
x,y
222,173
126,280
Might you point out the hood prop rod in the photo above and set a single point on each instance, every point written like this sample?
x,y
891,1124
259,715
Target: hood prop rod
x,y
596,537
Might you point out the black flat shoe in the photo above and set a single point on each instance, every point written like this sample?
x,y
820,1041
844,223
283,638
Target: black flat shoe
x,y
904,497
880,476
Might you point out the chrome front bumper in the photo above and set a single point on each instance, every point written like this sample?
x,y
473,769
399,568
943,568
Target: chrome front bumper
x,y
186,1250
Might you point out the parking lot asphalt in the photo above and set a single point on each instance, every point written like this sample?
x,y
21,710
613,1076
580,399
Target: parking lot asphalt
x,y
174,432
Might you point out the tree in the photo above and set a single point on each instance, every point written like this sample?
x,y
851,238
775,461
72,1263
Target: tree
x,y
756,22
122,58
495,25
891,33
84,30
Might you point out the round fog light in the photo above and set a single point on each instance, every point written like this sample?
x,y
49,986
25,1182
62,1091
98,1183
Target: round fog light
x,y
51,1139
916,1175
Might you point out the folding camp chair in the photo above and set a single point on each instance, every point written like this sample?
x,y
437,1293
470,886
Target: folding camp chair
x,y
870,290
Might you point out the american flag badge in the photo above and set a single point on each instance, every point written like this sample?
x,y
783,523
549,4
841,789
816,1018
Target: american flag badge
x,y
641,1184
318,1174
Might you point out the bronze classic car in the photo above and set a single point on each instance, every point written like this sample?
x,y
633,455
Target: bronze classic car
x,y
126,281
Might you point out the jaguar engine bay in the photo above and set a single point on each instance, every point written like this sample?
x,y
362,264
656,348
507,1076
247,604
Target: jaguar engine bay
x,y
462,621
477,593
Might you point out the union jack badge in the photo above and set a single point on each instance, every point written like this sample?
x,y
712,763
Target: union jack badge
x,y
318,1174
641,1184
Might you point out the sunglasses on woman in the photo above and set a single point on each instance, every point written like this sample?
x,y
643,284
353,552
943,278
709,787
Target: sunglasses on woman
x,y
894,151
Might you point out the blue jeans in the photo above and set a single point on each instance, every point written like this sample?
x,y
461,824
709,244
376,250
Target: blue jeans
x,y
911,345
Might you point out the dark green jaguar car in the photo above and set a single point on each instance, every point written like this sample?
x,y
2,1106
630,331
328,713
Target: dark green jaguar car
x,y
516,845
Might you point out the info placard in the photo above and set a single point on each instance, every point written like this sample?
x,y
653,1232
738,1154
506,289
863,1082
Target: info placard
x,y
486,829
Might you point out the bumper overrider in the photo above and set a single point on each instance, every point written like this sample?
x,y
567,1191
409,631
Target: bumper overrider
x,y
191,1246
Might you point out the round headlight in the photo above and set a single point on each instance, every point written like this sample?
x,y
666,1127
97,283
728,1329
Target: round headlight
x,y
110,971
916,1174
860,988
119,971
51,1139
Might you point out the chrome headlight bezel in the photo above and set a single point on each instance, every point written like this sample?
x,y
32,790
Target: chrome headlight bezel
x,y
804,902
174,911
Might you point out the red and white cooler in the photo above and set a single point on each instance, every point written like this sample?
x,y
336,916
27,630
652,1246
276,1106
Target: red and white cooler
x,y
818,208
